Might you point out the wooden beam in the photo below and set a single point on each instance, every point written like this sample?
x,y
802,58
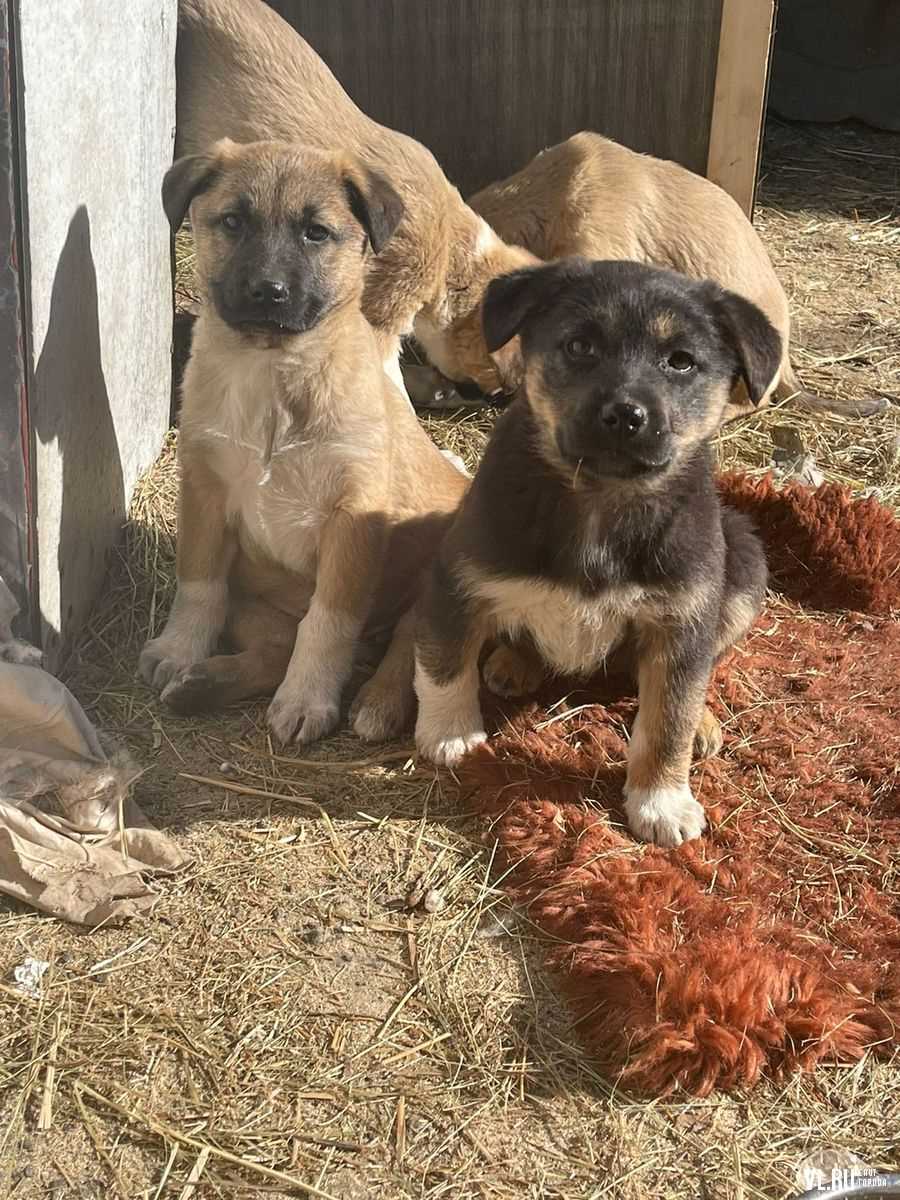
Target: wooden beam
x,y
745,44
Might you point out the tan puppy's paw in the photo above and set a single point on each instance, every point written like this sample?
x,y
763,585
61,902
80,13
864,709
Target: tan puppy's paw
x,y
664,816
708,738
380,715
296,717
510,672
163,658
198,688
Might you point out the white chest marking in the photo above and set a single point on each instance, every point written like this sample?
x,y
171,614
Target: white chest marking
x,y
573,633
283,474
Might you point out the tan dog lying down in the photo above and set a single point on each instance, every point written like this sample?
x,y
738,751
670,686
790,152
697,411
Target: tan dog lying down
x,y
590,196
311,498
244,73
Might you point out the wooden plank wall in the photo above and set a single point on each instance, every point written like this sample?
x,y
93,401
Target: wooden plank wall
x,y
486,84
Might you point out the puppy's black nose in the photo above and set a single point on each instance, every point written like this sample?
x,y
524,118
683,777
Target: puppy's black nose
x,y
268,291
620,416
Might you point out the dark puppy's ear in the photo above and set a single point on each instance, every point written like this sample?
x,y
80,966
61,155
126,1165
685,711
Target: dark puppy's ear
x,y
510,299
753,337
189,176
374,203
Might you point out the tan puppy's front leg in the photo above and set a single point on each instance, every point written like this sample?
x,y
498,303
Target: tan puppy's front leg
x,y
449,637
674,667
307,704
206,549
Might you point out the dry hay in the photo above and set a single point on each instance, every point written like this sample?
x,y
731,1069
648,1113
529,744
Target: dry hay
x,y
286,1010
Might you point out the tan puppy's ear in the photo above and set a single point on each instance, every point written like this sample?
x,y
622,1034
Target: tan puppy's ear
x,y
510,365
754,339
189,176
374,203
509,300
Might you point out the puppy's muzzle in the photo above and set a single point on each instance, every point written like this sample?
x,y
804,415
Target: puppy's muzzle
x,y
617,438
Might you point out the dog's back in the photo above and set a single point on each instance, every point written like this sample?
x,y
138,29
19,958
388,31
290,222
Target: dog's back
x,y
592,197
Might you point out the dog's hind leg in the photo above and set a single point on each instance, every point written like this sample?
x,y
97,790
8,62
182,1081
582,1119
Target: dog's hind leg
x,y
384,705
514,668
745,580
745,588
263,638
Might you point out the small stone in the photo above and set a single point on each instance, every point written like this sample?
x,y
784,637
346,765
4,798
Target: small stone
x,y
227,768
416,894
491,926
433,901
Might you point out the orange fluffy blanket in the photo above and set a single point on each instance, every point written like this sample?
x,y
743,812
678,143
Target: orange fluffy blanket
x,y
774,941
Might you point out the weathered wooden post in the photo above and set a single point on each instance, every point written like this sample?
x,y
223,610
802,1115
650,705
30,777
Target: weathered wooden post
x,y
88,110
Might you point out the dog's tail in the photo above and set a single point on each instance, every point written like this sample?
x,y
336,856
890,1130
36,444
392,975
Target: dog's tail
x,y
790,388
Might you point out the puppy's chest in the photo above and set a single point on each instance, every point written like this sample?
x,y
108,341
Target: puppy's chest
x,y
573,632
282,478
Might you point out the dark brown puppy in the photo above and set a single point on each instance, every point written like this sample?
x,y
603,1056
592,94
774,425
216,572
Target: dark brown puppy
x,y
594,521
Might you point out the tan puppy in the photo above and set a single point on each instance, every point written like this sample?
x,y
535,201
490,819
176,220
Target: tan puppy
x,y
244,73
589,196
311,499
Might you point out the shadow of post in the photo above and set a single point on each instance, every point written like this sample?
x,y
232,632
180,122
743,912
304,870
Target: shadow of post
x,y
81,493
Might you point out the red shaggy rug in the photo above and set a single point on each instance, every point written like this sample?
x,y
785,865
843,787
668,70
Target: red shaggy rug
x,y
773,942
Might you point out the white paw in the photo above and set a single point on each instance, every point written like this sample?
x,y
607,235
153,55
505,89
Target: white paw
x,y
165,657
665,816
295,716
447,750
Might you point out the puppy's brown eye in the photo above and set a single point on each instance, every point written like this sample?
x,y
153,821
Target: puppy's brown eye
x,y
233,222
680,361
579,348
317,233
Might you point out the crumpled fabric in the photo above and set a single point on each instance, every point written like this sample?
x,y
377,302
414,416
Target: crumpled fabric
x,y
89,860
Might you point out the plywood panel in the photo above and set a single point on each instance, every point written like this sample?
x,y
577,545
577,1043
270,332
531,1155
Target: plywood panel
x,y
97,114
485,84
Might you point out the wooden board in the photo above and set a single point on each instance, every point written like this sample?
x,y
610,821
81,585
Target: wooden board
x,y
740,97
486,84
96,114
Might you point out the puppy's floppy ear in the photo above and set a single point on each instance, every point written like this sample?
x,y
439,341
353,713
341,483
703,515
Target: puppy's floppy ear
x,y
753,337
510,299
188,177
374,203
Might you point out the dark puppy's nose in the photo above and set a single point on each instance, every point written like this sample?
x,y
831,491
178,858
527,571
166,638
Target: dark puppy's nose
x,y
620,416
268,291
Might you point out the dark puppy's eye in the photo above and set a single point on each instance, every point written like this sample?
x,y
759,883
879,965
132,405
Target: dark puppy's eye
x,y
579,348
316,233
681,361
232,221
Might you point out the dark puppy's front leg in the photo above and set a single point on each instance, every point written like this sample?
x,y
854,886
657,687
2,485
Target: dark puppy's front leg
x,y
674,667
450,631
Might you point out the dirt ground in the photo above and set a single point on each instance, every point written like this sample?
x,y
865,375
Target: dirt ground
x,y
333,999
